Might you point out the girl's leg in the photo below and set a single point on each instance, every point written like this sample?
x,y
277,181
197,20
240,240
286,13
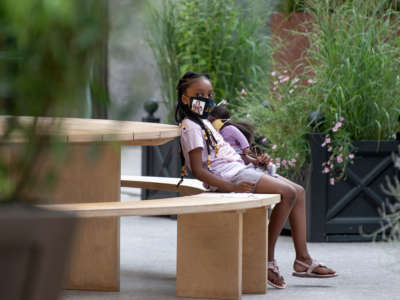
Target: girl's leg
x,y
271,185
297,219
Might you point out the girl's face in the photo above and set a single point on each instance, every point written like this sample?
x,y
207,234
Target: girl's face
x,y
200,87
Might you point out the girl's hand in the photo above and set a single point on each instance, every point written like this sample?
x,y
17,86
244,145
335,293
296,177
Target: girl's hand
x,y
243,187
264,159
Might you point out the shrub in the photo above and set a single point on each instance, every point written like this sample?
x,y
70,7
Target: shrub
x,y
225,38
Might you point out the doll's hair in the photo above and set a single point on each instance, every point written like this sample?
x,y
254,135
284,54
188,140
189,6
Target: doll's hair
x,y
221,112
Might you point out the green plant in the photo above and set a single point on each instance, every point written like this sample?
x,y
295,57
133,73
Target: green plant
x,y
350,77
291,6
225,38
47,51
355,61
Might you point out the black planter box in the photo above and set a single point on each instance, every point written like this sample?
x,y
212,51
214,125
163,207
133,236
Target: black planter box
x,y
161,161
338,212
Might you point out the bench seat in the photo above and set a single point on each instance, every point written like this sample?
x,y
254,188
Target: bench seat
x,y
221,239
199,203
188,186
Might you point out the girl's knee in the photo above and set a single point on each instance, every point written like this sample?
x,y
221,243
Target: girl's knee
x,y
289,195
300,193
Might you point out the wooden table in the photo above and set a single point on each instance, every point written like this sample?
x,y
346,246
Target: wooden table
x,y
88,177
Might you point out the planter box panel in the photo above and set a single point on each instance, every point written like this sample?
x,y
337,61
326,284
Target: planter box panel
x,y
161,161
353,202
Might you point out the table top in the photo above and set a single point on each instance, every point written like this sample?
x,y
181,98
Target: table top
x,y
76,130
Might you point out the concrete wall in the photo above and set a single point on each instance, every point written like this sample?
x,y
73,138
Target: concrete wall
x,y
133,74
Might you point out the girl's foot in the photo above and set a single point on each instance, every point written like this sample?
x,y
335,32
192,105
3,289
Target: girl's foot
x,y
275,278
312,268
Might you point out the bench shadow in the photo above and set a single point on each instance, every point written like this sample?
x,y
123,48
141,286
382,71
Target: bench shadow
x,y
146,275
321,286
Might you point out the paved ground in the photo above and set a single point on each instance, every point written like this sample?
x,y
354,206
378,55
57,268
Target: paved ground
x,y
148,257
367,271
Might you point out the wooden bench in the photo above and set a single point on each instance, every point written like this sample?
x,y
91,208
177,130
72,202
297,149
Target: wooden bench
x,y
222,239
188,186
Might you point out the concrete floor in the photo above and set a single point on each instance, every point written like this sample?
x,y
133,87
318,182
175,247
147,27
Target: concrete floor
x,y
366,271
148,258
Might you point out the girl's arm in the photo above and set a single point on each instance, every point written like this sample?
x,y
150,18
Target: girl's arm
x,y
247,158
206,176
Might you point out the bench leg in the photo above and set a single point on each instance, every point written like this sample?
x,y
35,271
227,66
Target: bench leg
x,y
255,251
209,255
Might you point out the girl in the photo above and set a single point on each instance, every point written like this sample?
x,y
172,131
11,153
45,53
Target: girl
x,y
216,163
239,135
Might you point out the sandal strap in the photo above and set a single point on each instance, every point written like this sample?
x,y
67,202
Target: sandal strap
x,y
272,265
310,268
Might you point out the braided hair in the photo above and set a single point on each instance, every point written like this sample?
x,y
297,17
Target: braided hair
x,y
221,112
183,111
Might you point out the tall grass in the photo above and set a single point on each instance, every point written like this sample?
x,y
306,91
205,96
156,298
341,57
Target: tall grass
x,y
355,56
225,38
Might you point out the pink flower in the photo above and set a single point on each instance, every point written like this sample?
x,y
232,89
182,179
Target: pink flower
x,y
264,140
295,86
293,160
325,170
351,155
323,144
329,149
281,76
331,166
278,160
285,71
337,126
274,88
284,162
311,81
332,181
224,102
341,119
327,140
339,159
273,73
274,147
243,92
284,79
296,80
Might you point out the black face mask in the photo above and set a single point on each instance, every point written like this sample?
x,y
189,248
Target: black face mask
x,y
201,106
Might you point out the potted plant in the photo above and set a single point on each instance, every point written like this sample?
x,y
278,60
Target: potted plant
x,y
350,83
46,58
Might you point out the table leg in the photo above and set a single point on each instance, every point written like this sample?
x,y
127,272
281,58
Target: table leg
x,y
255,251
209,255
89,175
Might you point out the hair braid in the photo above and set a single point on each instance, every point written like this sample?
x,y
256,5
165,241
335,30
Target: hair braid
x,y
182,111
